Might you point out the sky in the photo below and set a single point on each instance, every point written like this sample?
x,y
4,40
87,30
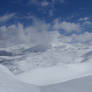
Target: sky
x,y
38,17
47,10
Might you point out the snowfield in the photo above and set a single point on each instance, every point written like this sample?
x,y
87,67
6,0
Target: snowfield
x,y
64,67
8,83
83,84
56,74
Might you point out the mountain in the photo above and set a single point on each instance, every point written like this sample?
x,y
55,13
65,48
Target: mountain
x,y
45,67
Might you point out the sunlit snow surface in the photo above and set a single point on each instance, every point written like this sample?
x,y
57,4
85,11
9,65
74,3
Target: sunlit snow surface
x,y
8,83
57,74
47,66
24,58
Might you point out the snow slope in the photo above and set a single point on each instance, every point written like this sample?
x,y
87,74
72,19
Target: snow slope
x,y
24,58
83,84
53,66
8,83
56,74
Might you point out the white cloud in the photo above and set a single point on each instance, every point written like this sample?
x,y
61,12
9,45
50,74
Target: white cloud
x,y
42,33
85,37
88,23
51,12
39,3
84,19
67,26
44,3
38,35
61,1
35,35
45,6
6,17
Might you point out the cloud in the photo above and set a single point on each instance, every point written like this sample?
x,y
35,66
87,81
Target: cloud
x,y
35,35
82,39
51,12
39,3
60,1
45,6
34,2
67,26
42,34
84,19
38,35
85,38
6,17
44,3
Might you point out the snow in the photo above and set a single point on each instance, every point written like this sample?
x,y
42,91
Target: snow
x,y
57,63
8,83
83,84
46,71
63,53
56,74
